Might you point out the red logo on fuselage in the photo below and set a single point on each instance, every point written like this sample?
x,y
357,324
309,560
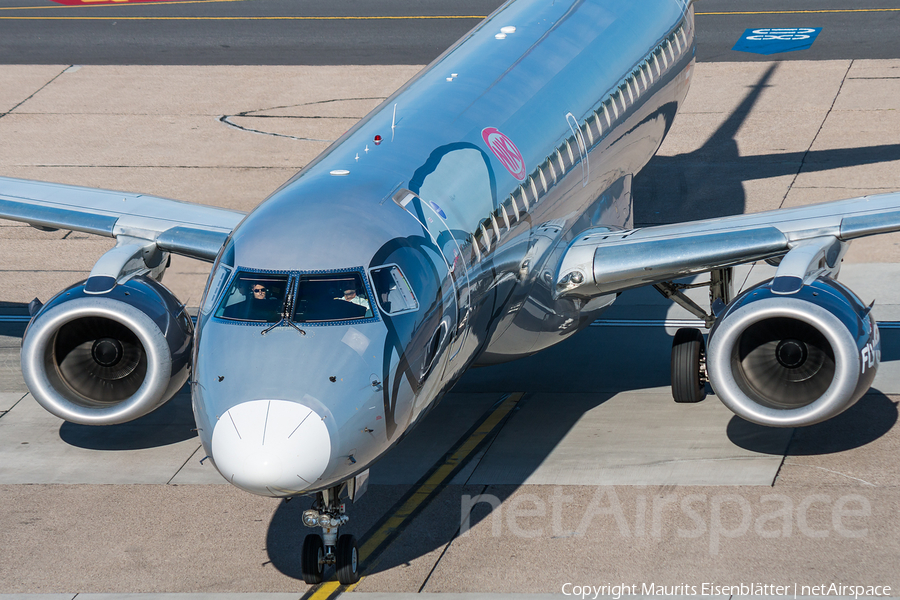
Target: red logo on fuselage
x,y
504,149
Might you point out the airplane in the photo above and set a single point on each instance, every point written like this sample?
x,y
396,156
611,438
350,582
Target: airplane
x,y
480,214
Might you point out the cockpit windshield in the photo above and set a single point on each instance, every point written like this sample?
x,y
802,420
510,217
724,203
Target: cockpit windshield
x,y
331,297
315,298
257,297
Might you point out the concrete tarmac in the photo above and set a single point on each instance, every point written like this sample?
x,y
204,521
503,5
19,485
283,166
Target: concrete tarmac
x,y
596,477
378,32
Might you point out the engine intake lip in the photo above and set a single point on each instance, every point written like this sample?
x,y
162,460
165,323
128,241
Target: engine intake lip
x,y
743,400
54,393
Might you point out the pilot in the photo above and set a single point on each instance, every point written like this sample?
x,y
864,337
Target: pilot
x,y
259,291
350,295
259,306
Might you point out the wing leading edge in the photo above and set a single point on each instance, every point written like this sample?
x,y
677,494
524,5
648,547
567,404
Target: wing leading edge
x,y
602,260
183,228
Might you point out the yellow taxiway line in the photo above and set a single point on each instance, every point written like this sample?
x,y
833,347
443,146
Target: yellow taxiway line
x,y
434,483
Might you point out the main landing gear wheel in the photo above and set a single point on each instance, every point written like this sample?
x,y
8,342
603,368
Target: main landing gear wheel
x,y
347,560
312,561
688,366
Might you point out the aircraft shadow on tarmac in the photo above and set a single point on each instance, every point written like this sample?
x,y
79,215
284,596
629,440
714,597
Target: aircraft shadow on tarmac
x,y
708,182
561,368
171,423
864,422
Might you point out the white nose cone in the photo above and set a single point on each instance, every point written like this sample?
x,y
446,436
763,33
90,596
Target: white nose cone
x,y
271,447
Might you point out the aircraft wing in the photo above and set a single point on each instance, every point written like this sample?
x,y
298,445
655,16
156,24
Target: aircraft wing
x,y
810,239
182,228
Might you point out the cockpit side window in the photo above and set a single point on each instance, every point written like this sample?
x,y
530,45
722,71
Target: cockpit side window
x,y
215,288
394,294
254,297
331,297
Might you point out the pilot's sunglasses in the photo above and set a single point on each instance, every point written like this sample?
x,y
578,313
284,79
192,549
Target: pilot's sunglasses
x,y
258,290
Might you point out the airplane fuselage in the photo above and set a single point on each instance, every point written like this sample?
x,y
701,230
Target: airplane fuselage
x,y
427,238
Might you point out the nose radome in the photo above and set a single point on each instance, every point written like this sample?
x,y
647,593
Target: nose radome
x,y
271,447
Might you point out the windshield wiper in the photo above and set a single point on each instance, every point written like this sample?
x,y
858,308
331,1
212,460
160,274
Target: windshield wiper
x,y
286,309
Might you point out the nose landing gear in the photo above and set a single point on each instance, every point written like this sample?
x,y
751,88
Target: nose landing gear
x,y
329,548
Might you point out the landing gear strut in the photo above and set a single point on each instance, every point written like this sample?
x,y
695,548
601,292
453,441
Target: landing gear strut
x,y
688,348
329,548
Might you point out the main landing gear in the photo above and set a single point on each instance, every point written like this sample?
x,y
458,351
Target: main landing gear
x,y
688,348
688,366
329,548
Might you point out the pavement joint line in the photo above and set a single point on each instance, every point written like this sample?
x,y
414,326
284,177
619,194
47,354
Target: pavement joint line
x,y
35,93
414,501
15,404
787,449
184,464
450,543
816,136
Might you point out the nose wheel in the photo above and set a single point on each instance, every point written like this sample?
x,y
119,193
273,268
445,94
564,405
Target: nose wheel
x,y
329,548
347,560
312,561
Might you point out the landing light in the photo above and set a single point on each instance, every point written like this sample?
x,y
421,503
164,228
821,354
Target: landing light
x,y
310,518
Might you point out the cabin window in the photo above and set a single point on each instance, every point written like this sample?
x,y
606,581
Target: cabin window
x,y
503,214
588,131
392,290
331,297
496,229
254,297
482,240
621,96
512,204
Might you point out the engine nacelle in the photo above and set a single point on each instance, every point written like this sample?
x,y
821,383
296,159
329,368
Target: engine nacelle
x,y
793,360
110,358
